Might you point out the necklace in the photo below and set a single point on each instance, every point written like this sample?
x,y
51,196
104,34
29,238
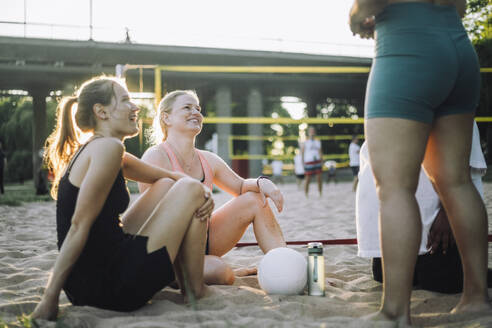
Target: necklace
x,y
184,165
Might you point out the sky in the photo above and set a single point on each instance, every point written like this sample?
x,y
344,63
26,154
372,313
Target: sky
x,y
310,26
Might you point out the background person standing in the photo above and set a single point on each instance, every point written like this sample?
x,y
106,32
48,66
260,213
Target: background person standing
x,y
354,150
312,157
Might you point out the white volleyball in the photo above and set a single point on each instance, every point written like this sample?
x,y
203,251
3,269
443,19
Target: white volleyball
x,y
283,271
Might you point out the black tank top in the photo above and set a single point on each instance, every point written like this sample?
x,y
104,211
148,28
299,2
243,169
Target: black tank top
x,y
106,231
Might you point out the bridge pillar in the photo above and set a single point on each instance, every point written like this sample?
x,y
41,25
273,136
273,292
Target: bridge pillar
x,y
223,100
38,139
255,147
311,103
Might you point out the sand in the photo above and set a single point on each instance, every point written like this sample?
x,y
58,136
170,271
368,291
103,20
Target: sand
x,y
28,250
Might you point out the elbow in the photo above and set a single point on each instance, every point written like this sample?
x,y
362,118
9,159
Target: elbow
x,y
78,226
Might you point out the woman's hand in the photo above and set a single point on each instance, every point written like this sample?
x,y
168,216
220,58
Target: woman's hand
x,y
362,27
46,309
205,211
440,234
269,189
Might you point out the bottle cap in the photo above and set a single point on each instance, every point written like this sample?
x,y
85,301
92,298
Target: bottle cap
x,y
315,248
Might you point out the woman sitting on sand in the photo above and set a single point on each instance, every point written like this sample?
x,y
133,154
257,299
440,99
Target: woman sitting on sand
x,y
100,265
180,121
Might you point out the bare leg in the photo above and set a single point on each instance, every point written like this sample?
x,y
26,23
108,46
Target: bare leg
x,y
171,224
396,149
229,223
355,183
217,272
320,183
306,185
447,163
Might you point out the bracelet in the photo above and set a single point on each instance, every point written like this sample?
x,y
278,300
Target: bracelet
x,y
258,180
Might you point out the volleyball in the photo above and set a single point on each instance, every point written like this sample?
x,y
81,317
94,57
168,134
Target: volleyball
x,y
283,271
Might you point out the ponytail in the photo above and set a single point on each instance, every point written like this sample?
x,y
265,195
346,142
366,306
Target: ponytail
x,y
62,143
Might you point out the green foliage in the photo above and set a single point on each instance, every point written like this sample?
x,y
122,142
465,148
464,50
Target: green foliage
x,y
17,194
478,19
16,114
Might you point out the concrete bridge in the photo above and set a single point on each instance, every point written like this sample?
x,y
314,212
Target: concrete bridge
x,y
43,65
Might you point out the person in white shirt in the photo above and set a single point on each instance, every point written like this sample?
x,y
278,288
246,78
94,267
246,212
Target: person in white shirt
x,y
353,151
298,168
312,157
438,266
277,168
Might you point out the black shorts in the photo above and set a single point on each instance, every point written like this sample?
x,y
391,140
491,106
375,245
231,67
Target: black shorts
x,y
355,170
300,176
128,281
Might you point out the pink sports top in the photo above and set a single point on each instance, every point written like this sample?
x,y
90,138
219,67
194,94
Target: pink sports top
x,y
207,170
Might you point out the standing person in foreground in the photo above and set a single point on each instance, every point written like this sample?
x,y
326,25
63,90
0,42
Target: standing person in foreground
x,y
421,97
353,151
177,124
312,156
100,265
438,266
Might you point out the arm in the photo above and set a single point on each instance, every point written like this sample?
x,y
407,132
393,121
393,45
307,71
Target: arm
x,y
226,179
104,165
138,170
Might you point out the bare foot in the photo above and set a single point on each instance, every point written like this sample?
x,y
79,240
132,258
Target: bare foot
x,y
399,322
472,307
243,272
192,299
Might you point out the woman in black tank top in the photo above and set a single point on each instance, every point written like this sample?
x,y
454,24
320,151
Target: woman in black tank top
x,y
99,264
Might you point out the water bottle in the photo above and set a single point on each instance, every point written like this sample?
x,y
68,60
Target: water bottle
x,y
316,269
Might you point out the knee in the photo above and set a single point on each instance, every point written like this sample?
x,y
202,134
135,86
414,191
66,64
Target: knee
x,y
252,199
190,187
446,180
387,188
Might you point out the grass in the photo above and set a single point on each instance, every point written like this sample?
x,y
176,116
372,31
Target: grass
x,y
23,320
17,194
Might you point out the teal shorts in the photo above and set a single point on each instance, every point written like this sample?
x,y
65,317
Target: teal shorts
x,y
425,65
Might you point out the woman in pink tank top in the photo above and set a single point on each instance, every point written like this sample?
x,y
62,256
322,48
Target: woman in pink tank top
x,y
180,120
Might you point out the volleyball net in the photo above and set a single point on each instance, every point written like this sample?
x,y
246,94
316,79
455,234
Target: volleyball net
x,y
341,159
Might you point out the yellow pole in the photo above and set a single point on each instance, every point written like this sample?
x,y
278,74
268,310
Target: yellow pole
x,y
157,87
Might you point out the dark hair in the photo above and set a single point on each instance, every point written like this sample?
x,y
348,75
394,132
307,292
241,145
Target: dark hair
x,y
64,140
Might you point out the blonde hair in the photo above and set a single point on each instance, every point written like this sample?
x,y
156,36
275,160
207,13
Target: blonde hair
x,y
64,141
159,128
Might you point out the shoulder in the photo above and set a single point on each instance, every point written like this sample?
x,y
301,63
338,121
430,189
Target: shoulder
x,y
156,156
213,159
106,147
209,156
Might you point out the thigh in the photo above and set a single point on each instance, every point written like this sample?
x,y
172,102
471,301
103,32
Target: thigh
x,y
396,149
228,224
138,213
448,151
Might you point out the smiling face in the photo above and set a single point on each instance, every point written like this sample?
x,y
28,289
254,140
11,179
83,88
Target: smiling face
x,y
122,113
185,116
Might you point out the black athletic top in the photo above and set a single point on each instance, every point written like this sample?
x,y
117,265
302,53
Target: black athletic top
x,y
105,233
